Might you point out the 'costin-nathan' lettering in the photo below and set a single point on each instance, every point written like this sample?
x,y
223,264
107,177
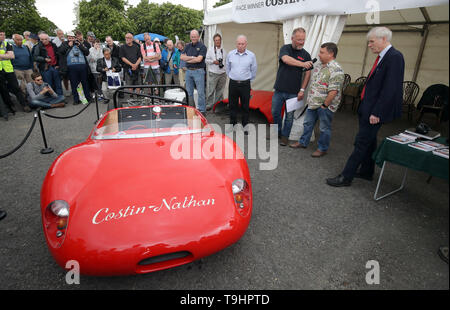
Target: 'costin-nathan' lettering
x,y
106,215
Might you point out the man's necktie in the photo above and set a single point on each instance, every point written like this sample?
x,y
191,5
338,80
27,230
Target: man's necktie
x,y
370,74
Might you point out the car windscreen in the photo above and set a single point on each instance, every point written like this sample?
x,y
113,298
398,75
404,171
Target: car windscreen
x,y
149,121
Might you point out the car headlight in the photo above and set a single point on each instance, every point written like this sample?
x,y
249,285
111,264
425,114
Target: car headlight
x,y
241,193
60,208
56,220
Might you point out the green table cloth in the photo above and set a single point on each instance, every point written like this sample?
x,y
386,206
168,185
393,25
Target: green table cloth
x,y
409,157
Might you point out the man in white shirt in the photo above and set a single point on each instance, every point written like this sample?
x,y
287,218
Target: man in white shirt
x,y
217,75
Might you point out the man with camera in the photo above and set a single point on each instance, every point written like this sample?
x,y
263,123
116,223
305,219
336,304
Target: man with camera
x,y
217,75
74,63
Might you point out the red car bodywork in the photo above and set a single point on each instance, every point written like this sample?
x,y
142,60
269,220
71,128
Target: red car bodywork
x,y
260,100
135,209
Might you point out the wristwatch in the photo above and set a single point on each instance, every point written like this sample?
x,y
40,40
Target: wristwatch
x,y
324,105
302,90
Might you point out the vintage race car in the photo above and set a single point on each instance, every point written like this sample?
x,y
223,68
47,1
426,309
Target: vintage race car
x,y
153,187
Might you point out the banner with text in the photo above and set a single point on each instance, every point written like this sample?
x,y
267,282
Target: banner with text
x,y
251,11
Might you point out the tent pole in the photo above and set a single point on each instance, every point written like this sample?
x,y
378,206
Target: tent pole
x,y
426,31
365,60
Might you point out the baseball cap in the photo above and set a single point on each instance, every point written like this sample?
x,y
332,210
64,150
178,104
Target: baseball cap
x,y
34,36
156,39
70,34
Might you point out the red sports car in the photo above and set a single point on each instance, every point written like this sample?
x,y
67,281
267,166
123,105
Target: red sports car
x,y
153,187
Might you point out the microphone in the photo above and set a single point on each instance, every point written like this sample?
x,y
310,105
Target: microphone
x,y
313,61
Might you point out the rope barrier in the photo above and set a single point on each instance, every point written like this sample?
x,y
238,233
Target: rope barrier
x,y
24,140
70,116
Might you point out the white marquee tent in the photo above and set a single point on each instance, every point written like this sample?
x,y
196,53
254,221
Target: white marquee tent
x,y
420,32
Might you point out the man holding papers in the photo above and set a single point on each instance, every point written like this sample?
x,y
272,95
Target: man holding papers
x,y
293,60
323,99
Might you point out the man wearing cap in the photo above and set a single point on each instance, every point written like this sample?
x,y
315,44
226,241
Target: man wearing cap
x,y
75,64
194,55
91,38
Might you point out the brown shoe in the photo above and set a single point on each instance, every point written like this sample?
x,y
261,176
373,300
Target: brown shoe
x,y
318,153
58,105
284,141
297,145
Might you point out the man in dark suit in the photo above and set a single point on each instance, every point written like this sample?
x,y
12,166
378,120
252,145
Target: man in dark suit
x,y
381,101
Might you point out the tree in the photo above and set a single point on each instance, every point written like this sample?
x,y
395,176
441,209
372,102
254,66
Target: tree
x,y
18,16
166,19
221,2
104,18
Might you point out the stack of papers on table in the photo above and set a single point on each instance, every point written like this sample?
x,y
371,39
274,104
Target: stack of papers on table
x,y
427,146
402,138
441,152
429,136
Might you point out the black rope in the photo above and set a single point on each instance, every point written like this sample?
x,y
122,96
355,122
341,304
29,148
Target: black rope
x,y
66,117
24,140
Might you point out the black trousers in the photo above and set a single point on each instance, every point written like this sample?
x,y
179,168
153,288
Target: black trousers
x,y
365,145
239,91
9,83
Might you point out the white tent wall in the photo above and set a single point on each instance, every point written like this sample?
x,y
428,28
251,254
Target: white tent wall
x,y
265,39
435,59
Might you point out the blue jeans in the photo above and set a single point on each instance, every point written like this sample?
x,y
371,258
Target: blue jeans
x,y
197,78
52,77
47,102
325,117
278,100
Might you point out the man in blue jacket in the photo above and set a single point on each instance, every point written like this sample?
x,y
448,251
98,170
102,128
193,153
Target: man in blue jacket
x,y
171,56
381,102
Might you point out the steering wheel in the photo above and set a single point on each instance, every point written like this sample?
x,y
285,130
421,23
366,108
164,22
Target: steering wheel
x,y
137,126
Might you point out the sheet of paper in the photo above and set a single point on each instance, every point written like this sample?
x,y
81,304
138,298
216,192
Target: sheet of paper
x,y
293,104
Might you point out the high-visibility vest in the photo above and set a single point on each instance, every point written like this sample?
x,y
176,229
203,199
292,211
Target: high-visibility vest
x,y
5,64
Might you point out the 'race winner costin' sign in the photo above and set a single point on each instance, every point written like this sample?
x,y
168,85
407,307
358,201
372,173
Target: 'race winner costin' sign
x,y
252,11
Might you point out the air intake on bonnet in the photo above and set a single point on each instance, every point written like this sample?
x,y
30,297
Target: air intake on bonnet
x,y
164,258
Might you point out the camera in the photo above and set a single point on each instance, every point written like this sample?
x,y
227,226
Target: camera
x,y
220,63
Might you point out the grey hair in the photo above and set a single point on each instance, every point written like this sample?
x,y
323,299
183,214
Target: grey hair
x,y
299,29
241,36
17,35
380,32
106,49
26,33
56,30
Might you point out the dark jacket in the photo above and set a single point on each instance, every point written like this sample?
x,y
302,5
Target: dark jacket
x,y
101,64
384,89
40,53
64,51
114,51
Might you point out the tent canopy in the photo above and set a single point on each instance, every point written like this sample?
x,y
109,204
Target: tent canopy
x,y
420,33
140,36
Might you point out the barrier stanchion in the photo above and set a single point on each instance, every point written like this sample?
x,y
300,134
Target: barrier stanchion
x,y
96,106
46,149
